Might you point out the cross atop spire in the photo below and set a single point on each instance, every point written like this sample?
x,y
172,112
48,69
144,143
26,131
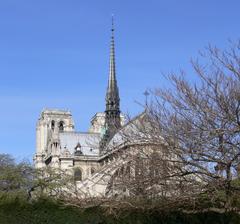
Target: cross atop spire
x,y
112,22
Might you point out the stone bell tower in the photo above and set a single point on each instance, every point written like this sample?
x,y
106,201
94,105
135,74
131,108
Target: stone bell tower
x,y
50,120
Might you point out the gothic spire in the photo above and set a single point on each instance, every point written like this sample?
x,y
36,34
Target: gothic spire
x,y
112,90
112,111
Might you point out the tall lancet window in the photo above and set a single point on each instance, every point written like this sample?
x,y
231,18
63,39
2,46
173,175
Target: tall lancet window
x,y
77,174
61,126
52,125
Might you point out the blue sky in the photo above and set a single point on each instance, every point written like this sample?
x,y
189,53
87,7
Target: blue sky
x,y
55,54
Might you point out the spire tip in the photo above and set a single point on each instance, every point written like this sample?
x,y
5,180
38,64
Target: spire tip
x,y
112,22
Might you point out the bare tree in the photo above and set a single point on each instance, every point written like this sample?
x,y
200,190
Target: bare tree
x,y
192,133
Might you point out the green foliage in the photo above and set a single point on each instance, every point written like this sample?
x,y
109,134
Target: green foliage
x,y
15,178
22,180
46,211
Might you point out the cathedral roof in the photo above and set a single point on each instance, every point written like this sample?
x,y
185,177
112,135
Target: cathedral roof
x,y
89,142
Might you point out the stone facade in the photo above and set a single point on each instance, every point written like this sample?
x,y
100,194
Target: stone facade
x,y
98,122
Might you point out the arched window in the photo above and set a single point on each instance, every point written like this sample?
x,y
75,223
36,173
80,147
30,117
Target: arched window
x,y
92,171
61,126
77,174
52,125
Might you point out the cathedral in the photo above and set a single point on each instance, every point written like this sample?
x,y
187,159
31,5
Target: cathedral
x,y
99,160
59,145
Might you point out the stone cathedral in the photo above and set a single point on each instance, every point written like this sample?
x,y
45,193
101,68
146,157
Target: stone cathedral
x,y
59,145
